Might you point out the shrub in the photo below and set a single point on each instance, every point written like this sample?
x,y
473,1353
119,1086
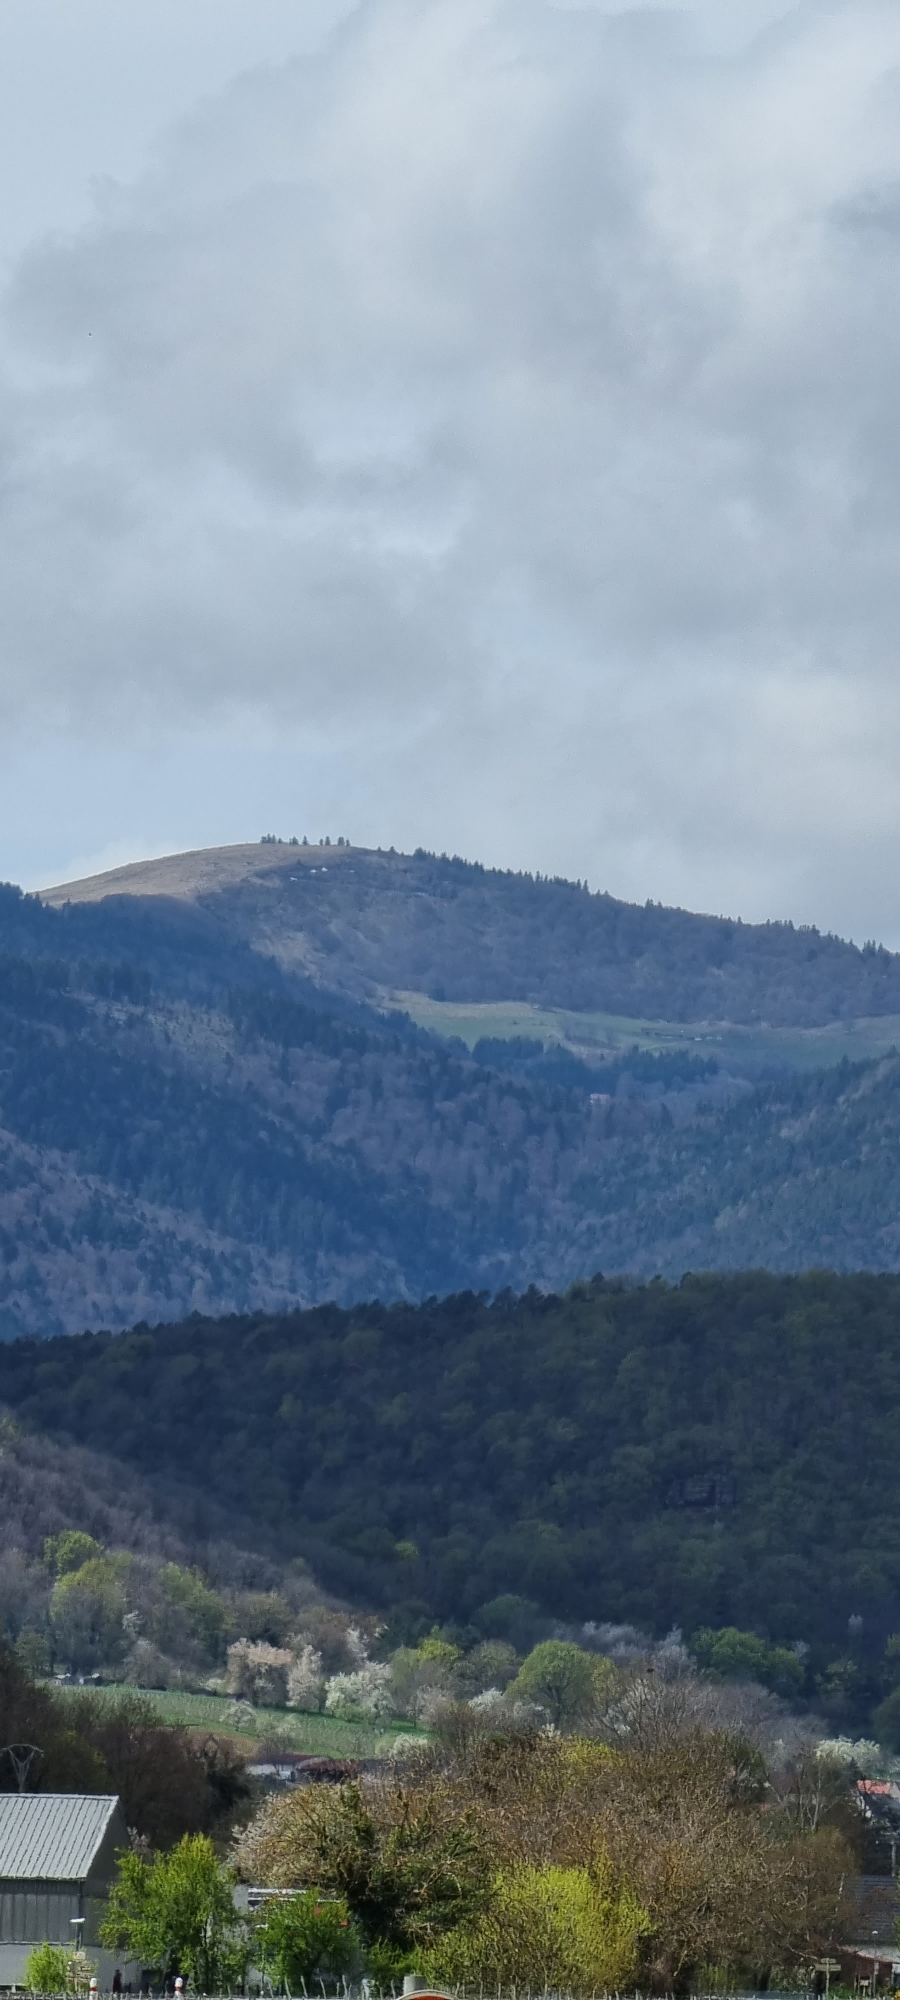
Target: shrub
x,y
300,1938
557,1928
47,1969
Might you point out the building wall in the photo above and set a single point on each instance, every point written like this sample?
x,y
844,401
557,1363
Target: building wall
x,y
14,1957
39,1912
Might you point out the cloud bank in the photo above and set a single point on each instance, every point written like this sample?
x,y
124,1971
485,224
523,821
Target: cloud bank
x,y
496,413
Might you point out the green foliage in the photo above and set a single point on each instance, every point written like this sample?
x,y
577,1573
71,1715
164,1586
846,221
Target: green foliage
x,y
493,1663
743,1656
47,1969
202,1607
176,1913
69,1550
33,1651
303,1938
87,1609
561,1679
886,1721
653,1454
553,1929
168,1782
442,1651
406,1881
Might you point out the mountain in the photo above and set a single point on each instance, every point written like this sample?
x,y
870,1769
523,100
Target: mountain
x,y
191,1118
373,924
712,1453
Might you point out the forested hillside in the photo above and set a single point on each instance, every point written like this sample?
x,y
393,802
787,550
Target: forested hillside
x,y
193,1127
721,1452
369,923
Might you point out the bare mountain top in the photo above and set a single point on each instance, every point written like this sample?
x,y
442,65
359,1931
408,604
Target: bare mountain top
x,y
201,872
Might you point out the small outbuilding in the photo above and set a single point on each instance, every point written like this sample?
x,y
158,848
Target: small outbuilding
x,y
57,1862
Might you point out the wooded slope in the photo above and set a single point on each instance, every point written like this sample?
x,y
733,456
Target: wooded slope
x,y
719,1452
365,923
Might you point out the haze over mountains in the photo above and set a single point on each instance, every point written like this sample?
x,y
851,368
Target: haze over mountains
x,y
272,1074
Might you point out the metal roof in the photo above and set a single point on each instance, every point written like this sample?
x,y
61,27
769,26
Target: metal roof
x,y
51,1836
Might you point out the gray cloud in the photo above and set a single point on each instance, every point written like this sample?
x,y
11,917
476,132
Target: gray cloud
x,y
486,426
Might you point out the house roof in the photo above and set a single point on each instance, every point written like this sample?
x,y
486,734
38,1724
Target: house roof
x,y
51,1836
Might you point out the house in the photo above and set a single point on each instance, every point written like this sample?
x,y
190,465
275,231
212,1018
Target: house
x,y
871,1956
57,1861
290,1767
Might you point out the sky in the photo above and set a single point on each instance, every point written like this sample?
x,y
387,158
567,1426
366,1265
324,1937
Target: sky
x,y
460,424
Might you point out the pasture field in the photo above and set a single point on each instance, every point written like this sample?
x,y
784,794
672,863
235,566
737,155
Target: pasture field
x,y
597,1037
319,1735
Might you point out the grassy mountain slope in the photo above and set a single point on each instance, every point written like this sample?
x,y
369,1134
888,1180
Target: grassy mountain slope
x,y
371,923
719,1452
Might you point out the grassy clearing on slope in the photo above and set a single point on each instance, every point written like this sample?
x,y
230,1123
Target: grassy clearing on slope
x,y
319,1735
595,1036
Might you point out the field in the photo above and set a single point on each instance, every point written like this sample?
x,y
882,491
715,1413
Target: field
x,y
320,1735
598,1036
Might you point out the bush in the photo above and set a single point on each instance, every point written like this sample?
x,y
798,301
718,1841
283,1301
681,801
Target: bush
x,y
47,1969
50,1968
299,1939
556,1928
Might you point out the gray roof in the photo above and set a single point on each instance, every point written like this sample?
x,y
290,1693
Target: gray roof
x,y
51,1836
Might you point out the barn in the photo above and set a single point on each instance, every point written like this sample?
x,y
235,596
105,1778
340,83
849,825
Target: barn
x,y
57,1861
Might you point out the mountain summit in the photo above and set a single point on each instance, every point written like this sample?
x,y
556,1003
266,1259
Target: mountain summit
x,y
262,1076
374,925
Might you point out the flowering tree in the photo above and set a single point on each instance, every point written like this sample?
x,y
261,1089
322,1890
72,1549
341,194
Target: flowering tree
x,y
367,1692
304,1679
259,1672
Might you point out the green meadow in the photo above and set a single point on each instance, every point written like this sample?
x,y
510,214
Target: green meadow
x,y
595,1036
319,1735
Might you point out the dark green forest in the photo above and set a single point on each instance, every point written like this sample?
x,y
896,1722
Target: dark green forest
x,y
720,1452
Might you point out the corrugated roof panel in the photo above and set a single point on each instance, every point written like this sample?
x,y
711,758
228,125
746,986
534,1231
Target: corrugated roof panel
x,y
51,1836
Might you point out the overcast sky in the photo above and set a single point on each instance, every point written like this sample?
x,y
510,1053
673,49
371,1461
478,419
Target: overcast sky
x,y
456,423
